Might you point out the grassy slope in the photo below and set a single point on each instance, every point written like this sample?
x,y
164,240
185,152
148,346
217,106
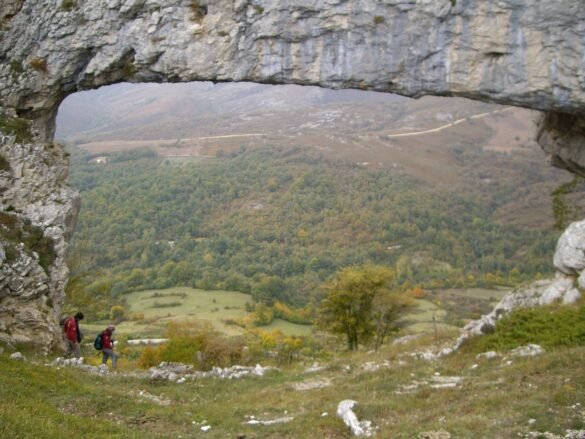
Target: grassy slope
x,y
496,400
214,306
191,304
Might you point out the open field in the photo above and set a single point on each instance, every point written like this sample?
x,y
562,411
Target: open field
x,y
476,293
288,328
183,303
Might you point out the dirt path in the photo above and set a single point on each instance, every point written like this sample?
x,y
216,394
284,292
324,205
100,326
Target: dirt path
x,y
449,125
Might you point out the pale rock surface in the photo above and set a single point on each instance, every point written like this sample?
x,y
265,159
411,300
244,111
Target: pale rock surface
x,y
530,350
33,194
358,428
17,356
490,355
569,256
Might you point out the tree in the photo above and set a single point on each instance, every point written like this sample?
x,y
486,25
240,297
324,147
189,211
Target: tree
x,y
348,308
388,307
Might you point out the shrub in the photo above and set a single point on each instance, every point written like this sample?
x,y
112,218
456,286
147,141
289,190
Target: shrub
x,y
44,246
129,70
199,11
68,5
32,237
39,64
378,19
16,68
17,127
137,316
546,326
284,349
4,164
151,356
117,313
195,343
11,253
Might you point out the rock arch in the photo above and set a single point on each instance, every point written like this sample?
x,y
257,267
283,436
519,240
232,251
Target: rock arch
x,y
516,52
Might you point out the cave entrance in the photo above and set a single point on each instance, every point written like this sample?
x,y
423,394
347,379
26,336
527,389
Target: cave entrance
x,y
268,190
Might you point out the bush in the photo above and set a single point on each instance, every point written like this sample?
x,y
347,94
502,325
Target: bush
x,y
17,127
548,327
151,356
378,19
68,5
39,64
117,313
194,343
32,237
284,349
16,68
4,164
199,11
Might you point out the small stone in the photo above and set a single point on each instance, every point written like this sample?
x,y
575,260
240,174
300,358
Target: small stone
x,y
17,356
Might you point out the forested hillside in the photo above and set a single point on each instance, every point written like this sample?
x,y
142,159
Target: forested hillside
x,y
272,190
277,222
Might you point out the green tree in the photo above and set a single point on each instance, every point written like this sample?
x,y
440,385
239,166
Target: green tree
x,y
388,307
348,309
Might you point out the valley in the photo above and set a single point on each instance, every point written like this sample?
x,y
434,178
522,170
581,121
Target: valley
x,y
219,218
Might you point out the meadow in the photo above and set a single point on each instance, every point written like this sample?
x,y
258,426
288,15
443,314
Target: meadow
x,y
400,393
158,307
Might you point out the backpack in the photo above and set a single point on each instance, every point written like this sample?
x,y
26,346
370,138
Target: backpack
x,y
97,343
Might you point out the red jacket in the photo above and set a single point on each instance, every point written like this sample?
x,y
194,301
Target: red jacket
x,y
107,340
71,329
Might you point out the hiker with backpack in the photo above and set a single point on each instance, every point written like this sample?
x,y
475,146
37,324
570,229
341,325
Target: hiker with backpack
x,y
107,345
73,335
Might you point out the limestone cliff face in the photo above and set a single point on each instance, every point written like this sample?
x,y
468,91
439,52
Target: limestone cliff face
x,y
518,52
38,214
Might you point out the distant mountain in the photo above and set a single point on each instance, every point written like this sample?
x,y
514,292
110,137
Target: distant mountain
x,y
373,129
129,111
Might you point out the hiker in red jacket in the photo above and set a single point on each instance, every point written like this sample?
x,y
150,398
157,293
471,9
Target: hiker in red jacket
x,y
108,346
73,335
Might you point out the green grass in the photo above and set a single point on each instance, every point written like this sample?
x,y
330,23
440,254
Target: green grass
x,y
495,398
424,311
476,293
213,306
187,304
288,328
549,327
16,126
183,303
